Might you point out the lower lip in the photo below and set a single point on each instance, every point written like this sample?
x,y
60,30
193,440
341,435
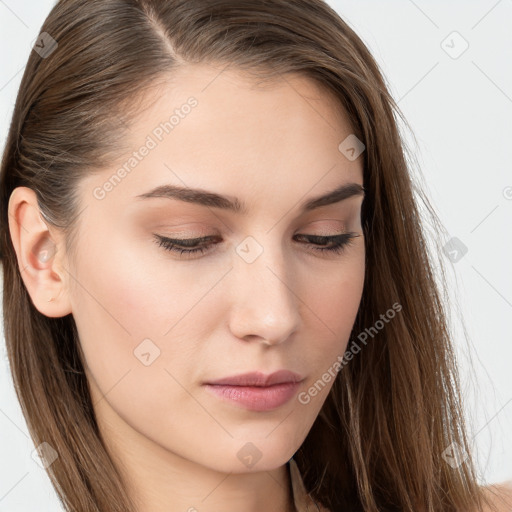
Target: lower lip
x,y
256,398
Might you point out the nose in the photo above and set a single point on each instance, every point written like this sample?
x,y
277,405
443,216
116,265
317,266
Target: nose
x,y
265,307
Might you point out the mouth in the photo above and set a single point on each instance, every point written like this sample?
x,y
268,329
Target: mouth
x,y
256,391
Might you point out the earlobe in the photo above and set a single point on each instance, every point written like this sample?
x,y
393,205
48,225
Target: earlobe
x,y
36,247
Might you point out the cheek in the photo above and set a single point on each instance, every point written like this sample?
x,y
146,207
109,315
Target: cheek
x,y
333,306
138,309
336,295
112,302
127,290
340,302
122,318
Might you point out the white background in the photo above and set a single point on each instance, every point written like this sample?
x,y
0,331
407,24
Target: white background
x,y
460,111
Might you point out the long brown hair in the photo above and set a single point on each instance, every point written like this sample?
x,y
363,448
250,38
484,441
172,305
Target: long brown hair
x,y
379,440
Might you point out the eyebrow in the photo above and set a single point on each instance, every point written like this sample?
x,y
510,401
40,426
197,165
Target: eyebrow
x,y
211,199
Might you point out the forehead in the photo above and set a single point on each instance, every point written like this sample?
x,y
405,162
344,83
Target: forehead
x,y
223,130
237,97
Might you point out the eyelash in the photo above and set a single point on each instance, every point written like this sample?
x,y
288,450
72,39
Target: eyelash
x,y
340,243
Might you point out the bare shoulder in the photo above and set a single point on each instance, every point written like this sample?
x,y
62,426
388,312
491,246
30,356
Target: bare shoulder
x,y
500,496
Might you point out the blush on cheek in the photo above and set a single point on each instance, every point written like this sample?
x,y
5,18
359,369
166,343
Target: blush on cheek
x,y
337,308
340,301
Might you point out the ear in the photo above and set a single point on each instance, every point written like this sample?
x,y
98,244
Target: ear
x,y
40,253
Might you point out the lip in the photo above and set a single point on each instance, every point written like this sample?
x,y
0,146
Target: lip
x,y
256,391
259,379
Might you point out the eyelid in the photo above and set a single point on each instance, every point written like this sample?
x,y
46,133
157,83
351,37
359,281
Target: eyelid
x,y
182,233
213,239
199,239
191,247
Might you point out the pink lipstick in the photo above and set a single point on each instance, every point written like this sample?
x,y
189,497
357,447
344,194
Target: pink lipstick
x,y
256,391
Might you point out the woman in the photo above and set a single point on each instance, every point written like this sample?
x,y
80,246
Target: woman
x,y
217,290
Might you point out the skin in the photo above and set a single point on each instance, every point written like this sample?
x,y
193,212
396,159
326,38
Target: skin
x,y
214,314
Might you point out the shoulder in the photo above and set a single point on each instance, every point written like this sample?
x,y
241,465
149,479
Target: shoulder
x,y
500,495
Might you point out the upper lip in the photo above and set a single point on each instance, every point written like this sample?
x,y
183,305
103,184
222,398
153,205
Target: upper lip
x,y
258,379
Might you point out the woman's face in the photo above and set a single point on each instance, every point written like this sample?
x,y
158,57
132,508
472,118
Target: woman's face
x,y
156,325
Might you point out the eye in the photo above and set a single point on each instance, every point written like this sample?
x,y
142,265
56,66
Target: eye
x,y
189,246
335,244
185,246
